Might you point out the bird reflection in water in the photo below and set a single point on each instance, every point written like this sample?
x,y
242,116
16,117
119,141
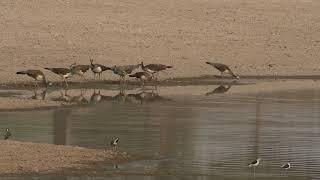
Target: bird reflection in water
x,y
39,94
97,97
219,90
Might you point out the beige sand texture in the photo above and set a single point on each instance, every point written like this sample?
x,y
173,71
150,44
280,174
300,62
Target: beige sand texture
x,y
24,157
249,35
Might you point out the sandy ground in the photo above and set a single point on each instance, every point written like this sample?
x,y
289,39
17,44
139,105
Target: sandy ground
x,y
249,35
24,157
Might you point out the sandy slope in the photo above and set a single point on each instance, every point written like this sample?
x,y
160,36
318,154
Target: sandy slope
x,y
24,157
247,34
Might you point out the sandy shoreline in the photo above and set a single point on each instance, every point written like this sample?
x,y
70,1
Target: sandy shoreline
x,y
23,97
26,157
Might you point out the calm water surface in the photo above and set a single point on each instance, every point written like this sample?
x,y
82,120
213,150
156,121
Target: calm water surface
x,y
211,136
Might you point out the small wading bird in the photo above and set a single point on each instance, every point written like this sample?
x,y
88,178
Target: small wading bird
x,y
6,134
37,75
79,69
64,73
154,68
114,142
143,76
223,69
286,166
97,69
254,164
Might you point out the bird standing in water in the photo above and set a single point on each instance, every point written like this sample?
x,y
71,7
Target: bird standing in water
x,y
114,142
254,164
286,166
6,134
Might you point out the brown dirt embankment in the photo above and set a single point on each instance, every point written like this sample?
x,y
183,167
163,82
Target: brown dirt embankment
x,y
25,157
254,37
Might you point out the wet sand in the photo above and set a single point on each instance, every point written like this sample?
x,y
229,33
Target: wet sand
x,y
78,94
25,157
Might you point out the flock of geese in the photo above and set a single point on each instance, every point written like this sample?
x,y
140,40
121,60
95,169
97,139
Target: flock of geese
x,y
148,71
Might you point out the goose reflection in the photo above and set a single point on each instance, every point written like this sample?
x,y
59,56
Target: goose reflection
x,y
64,97
80,99
152,96
219,90
39,94
97,97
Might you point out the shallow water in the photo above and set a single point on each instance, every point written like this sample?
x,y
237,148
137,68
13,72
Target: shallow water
x,y
201,136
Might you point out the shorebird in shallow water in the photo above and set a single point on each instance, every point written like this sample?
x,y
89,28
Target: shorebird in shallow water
x,y
254,164
286,166
37,75
7,134
224,69
114,142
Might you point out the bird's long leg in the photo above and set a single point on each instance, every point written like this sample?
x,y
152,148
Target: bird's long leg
x,y
36,84
65,80
94,76
254,173
99,76
84,78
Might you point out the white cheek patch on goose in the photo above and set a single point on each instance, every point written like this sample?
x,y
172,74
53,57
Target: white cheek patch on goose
x,y
39,77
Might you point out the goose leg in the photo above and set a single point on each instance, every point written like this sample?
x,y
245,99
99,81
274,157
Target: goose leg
x,y
84,78
99,75
65,80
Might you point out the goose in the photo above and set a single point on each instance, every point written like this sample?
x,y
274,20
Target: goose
x,y
129,68
97,68
37,75
118,71
223,69
7,134
154,68
143,76
64,73
79,69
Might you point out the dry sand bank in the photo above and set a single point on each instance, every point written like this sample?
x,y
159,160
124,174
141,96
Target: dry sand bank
x,y
249,35
24,157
